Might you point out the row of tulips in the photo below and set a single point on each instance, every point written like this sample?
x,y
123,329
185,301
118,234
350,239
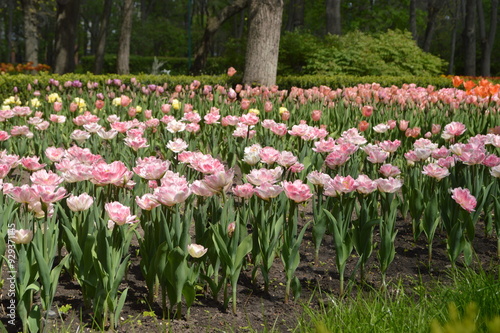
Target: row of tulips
x,y
212,180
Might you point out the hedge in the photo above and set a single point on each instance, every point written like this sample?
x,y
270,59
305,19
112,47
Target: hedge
x,y
10,83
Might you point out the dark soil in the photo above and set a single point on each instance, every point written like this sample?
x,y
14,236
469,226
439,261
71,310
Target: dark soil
x,y
258,310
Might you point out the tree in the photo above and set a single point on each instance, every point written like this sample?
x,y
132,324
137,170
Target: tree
x,y
333,23
123,57
295,15
213,25
261,61
469,36
101,37
413,19
433,9
456,18
66,32
30,31
487,40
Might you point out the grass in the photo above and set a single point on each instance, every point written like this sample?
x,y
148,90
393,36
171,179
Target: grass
x,y
470,303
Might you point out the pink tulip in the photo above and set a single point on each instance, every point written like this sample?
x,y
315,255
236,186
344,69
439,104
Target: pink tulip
x,y
287,159
452,130
340,184
464,199
219,181
388,170
119,214
367,110
365,185
113,173
49,194
403,125
57,106
171,195
151,167
316,115
147,201
260,176
4,136
269,155
31,163
377,156
4,170
435,171
22,194
42,177
297,191
245,191
200,188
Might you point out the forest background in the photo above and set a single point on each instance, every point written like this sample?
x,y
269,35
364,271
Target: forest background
x,y
455,37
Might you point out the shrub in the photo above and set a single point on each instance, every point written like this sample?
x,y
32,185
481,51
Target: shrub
x,y
392,53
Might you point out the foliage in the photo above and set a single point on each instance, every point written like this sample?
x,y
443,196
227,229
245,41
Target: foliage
x,y
392,53
143,64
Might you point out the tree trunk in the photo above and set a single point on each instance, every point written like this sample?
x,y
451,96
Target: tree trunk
x,y
261,61
487,41
101,37
333,24
456,19
10,32
213,25
469,36
413,19
432,13
30,31
66,28
295,15
123,56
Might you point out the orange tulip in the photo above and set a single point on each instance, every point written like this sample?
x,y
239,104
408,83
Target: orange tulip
x,y
484,83
469,85
494,89
457,81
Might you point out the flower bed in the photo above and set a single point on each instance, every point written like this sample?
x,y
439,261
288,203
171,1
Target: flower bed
x,y
210,180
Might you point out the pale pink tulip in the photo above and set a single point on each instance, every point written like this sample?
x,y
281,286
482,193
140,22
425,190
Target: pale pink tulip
x,y
44,177
463,197
79,203
365,185
297,191
172,195
49,194
435,171
177,145
219,181
119,214
147,201
318,178
269,155
245,191
389,185
21,236
31,163
267,191
388,170
260,176
196,251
